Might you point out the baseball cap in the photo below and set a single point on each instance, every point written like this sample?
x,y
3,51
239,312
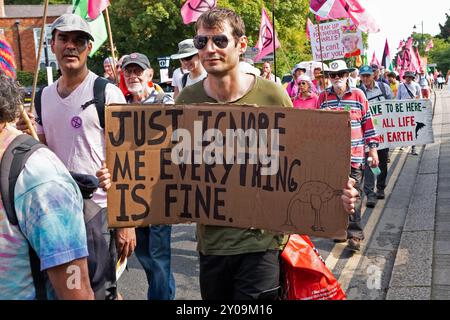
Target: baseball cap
x,y
186,49
71,22
136,58
374,66
365,70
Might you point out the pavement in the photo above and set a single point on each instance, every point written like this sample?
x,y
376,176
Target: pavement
x,y
406,251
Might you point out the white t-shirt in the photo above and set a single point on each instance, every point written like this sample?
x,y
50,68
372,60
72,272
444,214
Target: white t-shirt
x,y
191,81
177,76
74,134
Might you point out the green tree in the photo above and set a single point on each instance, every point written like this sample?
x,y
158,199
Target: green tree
x,y
445,29
155,27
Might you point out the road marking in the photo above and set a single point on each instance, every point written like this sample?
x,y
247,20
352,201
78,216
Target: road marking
x,y
353,262
337,250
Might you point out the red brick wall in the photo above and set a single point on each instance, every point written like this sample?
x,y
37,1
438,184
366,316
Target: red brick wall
x,y
26,27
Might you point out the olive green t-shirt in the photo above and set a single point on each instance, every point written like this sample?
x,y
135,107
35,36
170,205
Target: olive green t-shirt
x,y
214,240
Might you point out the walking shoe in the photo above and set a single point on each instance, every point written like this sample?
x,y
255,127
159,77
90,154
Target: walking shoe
x,y
371,201
380,194
354,244
340,240
413,151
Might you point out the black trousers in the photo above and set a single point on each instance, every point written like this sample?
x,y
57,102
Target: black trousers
x,y
369,177
249,276
355,229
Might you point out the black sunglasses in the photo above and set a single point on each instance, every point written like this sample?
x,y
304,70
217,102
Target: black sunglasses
x,y
220,41
188,58
339,74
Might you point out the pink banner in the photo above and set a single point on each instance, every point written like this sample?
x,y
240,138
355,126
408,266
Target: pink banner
x,y
193,9
266,39
95,7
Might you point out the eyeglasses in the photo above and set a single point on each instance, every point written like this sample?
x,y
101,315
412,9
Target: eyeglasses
x,y
137,71
220,41
188,58
339,74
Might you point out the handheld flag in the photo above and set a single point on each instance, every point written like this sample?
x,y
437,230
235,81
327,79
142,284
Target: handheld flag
x,y
375,60
193,9
429,46
266,39
386,60
321,8
346,9
95,7
97,26
7,63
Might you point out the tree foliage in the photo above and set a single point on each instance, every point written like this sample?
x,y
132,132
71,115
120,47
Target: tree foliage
x,y
155,27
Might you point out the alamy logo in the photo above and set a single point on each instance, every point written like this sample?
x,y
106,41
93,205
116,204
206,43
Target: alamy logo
x,y
212,147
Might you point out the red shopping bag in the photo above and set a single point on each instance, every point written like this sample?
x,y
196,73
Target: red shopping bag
x,y
306,277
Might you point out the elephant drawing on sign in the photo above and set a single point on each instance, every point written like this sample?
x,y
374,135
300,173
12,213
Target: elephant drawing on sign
x,y
316,193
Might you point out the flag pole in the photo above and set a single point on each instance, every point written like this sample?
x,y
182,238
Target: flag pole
x,y
274,44
36,70
111,44
321,60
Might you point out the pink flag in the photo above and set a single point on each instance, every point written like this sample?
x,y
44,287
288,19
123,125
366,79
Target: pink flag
x,y
400,45
353,10
430,45
308,25
266,39
360,16
193,9
375,60
321,8
95,7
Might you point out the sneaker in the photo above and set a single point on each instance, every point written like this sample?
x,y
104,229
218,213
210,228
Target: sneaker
x,y
371,201
413,151
380,194
354,244
340,240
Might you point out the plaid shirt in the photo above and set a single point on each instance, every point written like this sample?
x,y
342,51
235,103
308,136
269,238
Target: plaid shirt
x,y
363,130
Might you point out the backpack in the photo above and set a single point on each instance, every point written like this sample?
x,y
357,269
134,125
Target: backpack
x,y
101,259
184,80
382,88
99,101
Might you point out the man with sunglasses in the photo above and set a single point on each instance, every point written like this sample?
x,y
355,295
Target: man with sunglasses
x,y
375,91
69,124
340,96
235,263
188,55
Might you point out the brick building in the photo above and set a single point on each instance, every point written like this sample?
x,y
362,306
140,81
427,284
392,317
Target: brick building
x,y
21,25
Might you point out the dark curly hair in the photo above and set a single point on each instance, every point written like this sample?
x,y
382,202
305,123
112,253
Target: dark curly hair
x,y
10,98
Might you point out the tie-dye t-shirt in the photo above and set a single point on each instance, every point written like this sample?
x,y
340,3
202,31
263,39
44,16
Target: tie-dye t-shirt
x,y
49,209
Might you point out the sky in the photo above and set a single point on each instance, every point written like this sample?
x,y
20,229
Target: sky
x,y
397,18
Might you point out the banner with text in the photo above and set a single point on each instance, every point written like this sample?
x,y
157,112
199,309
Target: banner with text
x,y
228,165
402,123
339,39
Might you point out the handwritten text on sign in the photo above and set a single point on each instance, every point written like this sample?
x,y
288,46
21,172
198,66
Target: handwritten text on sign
x,y
206,164
403,122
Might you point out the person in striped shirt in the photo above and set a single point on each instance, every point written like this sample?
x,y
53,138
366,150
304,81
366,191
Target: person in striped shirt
x,y
340,96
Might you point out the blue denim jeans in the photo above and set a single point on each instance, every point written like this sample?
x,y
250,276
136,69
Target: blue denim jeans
x,y
153,252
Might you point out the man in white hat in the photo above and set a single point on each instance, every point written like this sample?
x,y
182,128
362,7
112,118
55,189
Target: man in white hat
x,y
340,96
189,60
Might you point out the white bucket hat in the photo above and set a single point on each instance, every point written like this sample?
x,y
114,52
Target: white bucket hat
x,y
338,66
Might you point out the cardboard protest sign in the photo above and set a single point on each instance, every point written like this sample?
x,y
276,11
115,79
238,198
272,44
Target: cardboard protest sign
x,y
279,169
339,39
402,123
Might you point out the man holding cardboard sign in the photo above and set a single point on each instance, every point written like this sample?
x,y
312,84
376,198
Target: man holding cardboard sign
x,y
234,204
234,263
